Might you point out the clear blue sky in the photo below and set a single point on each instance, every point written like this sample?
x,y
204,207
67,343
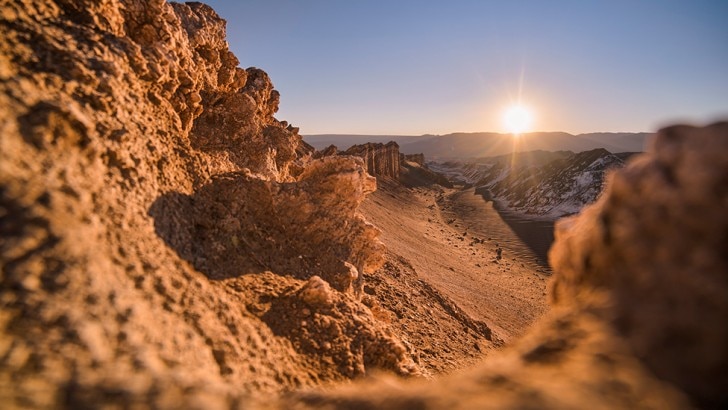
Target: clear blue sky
x,y
415,67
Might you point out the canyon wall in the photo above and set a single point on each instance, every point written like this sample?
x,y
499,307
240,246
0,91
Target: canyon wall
x,y
381,159
418,159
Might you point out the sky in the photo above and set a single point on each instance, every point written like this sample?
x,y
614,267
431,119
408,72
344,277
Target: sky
x,y
403,67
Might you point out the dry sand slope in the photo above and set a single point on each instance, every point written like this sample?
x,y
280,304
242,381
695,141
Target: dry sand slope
x,y
450,238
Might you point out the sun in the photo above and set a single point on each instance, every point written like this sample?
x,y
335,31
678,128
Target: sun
x,y
517,119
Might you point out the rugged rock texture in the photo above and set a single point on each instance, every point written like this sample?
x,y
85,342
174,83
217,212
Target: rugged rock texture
x,y
145,189
640,299
414,174
545,184
336,337
241,223
382,160
418,159
327,152
146,198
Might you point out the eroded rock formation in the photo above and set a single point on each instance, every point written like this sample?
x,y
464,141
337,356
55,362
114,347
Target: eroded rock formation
x,y
414,172
158,223
382,160
418,159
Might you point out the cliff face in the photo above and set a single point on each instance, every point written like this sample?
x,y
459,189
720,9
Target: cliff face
x,y
418,159
159,226
380,159
414,172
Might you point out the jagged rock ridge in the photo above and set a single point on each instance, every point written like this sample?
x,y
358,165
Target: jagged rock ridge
x,y
539,183
160,228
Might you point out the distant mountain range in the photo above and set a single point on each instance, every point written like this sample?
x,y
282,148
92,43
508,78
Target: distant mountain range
x,y
537,184
489,144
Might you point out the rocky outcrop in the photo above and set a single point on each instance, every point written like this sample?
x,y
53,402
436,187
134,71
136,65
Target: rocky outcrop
x,y
327,152
238,223
416,173
418,159
550,185
382,160
410,170
159,223
650,258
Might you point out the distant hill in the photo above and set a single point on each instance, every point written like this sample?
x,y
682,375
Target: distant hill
x,y
488,144
537,184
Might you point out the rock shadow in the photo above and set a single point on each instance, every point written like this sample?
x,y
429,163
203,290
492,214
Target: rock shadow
x,y
239,224
335,331
226,234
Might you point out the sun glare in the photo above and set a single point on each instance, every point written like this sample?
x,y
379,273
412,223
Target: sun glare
x,y
517,119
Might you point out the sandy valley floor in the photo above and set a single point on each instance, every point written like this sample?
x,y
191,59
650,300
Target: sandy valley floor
x,y
450,237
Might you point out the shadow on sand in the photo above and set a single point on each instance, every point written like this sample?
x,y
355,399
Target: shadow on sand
x,y
538,235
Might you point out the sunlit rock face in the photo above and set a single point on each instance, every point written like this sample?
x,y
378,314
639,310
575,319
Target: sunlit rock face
x,y
381,159
158,222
